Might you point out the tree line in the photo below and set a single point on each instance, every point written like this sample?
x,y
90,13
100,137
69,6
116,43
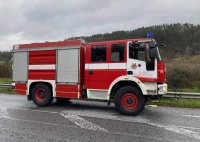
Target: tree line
x,y
5,55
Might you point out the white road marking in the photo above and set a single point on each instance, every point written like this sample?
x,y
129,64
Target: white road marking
x,y
4,113
82,122
173,128
195,128
195,116
74,116
178,130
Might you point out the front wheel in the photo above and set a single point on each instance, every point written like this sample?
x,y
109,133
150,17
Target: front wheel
x,y
129,100
41,95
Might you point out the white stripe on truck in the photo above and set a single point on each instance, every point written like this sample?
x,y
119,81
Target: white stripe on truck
x,y
42,67
106,66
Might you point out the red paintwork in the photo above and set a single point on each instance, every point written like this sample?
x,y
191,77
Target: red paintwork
x,y
38,96
51,44
67,95
161,72
82,68
20,88
67,91
67,88
101,79
42,57
133,98
42,74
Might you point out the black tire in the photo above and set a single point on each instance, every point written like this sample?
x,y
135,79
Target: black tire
x,y
41,95
129,100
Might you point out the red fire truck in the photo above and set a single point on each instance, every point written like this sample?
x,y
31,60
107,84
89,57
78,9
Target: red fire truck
x,y
126,72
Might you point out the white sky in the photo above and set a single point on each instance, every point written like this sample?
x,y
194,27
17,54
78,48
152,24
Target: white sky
x,y
25,21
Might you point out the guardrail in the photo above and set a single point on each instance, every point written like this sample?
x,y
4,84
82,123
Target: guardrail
x,y
5,85
186,95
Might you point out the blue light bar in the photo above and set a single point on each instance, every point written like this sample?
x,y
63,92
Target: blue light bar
x,y
149,35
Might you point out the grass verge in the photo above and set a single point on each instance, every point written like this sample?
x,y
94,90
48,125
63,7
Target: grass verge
x,y
5,80
191,90
6,90
174,102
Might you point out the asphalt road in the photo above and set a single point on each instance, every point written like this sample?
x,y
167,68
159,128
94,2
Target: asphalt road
x,y
83,121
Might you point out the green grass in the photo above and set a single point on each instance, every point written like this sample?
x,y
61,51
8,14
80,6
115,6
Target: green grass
x,y
2,62
5,80
183,103
6,90
191,90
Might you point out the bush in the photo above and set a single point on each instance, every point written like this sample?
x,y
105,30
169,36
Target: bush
x,y
5,69
183,72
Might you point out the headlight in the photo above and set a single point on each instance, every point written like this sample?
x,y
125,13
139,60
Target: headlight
x,y
162,89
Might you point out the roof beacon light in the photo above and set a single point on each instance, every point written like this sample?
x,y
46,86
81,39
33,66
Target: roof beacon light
x,y
149,35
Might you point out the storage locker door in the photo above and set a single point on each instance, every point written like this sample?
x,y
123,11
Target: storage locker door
x,y
68,66
20,66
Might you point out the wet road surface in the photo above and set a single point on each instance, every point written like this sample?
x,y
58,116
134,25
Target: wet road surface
x,y
84,121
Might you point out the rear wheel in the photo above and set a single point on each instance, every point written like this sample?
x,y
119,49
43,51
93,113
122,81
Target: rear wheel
x,y
129,100
41,95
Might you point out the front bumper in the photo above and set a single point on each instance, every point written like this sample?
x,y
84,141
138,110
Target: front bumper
x,y
162,89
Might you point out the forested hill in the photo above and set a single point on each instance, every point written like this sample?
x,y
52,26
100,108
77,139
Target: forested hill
x,y
181,39
5,55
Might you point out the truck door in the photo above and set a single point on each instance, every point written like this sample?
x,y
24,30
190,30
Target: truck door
x,y
96,67
104,63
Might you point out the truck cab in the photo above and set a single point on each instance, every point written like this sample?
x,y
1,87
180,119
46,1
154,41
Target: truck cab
x,y
125,65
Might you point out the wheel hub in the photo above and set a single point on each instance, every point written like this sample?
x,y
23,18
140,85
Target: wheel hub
x,y
129,101
42,95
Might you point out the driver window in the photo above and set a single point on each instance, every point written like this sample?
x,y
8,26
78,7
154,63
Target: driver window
x,y
98,53
135,53
117,52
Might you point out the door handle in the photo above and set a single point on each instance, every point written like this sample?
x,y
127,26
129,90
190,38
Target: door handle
x,y
129,73
91,72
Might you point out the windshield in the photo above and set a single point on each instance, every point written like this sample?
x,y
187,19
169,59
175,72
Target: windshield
x,y
144,51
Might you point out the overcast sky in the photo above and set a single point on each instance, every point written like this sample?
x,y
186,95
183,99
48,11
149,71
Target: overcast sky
x,y
25,21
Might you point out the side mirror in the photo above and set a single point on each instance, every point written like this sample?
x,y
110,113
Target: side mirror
x,y
150,65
